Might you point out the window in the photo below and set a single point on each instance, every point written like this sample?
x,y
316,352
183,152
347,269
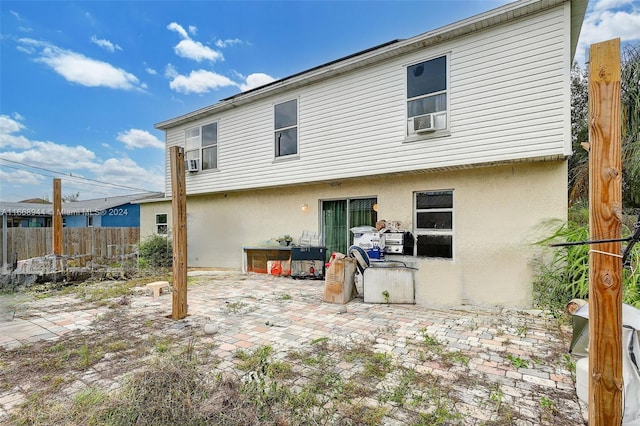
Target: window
x,y
161,224
285,119
201,145
427,96
433,221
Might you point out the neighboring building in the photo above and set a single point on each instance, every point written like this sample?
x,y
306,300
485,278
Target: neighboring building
x,y
461,134
108,212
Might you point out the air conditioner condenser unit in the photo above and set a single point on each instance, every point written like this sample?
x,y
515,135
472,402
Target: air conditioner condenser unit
x,y
192,165
424,123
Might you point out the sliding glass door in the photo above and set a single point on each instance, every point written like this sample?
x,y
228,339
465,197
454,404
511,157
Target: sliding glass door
x,y
338,216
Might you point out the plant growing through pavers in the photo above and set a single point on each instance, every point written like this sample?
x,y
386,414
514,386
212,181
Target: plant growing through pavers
x,y
570,364
496,395
234,307
443,409
517,362
522,331
401,390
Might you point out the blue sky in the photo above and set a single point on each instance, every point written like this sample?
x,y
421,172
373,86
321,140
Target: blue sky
x,y
83,83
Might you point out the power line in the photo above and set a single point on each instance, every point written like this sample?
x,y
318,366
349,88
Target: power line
x,y
71,185
75,177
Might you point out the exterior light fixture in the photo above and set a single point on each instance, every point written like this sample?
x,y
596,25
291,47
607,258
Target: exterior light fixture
x,y
305,207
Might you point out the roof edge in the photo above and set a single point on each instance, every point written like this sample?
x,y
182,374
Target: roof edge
x,y
482,21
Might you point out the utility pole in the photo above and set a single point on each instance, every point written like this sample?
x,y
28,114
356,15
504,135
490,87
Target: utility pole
x,y
57,217
179,230
605,221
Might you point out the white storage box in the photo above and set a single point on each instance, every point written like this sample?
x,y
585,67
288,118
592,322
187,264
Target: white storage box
x,y
388,285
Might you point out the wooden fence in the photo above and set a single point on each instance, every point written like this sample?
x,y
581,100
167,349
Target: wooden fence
x,y
98,242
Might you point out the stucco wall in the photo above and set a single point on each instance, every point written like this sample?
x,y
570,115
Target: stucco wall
x,y
497,214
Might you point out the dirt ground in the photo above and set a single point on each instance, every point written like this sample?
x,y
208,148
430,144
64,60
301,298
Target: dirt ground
x,y
258,349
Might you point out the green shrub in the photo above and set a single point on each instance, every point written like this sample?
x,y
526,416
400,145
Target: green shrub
x,y
156,252
562,273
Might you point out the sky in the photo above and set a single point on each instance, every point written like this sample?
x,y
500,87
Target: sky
x,y
83,83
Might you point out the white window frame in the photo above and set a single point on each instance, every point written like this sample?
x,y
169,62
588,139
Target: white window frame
x,y
162,224
442,118
280,129
194,148
434,231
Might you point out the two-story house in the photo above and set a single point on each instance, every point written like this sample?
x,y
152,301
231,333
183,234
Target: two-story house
x,y
461,134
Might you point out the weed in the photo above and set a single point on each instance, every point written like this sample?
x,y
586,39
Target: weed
x,y
496,395
285,297
548,409
377,365
364,415
522,331
458,357
517,362
443,410
319,340
569,364
235,307
400,392
429,341
88,398
386,296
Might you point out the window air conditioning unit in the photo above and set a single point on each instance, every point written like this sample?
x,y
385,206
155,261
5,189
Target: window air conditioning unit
x,y
424,123
193,165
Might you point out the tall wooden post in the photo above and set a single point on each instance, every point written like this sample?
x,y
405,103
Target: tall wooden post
x,y
57,217
605,219
179,230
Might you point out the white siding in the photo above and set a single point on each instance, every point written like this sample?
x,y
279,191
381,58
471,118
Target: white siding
x,y
507,103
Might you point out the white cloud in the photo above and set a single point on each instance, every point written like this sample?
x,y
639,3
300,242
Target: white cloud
x,y
22,177
170,71
606,20
136,138
79,160
197,51
151,71
77,68
193,30
9,126
125,171
66,157
178,28
228,42
199,81
105,44
256,80
191,49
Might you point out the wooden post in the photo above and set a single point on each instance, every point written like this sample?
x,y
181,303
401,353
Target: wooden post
x,y
605,219
179,230
57,217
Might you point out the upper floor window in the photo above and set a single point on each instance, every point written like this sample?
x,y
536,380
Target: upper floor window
x,y
427,96
285,119
201,147
433,219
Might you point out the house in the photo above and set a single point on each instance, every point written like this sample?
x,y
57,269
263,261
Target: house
x,y
460,134
107,212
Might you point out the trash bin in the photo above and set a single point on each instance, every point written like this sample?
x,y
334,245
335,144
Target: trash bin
x,y
339,284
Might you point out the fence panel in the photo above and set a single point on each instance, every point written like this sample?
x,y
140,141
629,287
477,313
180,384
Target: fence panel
x,y
108,243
